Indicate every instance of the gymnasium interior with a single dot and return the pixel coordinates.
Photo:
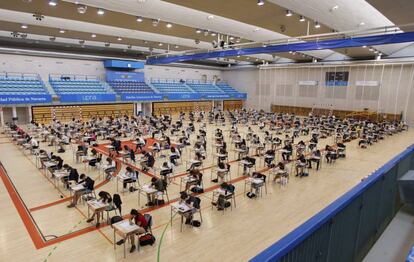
(190, 130)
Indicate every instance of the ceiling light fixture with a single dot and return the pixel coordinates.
(361, 24)
(210, 17)
(176, 46)
(155, 22)
(231, 37)
(364, 46)
(317, 25)
(24, 26)
(371, 49)
(82, 8)
(256, 29)
(93, 35)
(160, 44)
(53, 2)
(301, 18)
(238, 40)
(288, 13)
(62, 31)
(198, 31)
(260, 2)
(213, 34)
(335, 7)
(290, 52)
(119, 39)
(100, 11)
(168, 25)
(140, 19)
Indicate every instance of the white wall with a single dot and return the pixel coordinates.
(246, 81)
(395, 93)
(171, 72)
(48, 65)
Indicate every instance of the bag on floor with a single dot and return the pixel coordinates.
(197, 189)
(147, 239)
(61, 150)
(159, 202)
(251, 195)
(196, 223)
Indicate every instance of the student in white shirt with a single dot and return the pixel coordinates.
(129, 172)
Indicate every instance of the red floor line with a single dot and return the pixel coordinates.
(21, 209)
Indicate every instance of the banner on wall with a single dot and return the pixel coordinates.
(25, 99)
(87, 98)
(218, 96)
(239, 95)
(184, 96)
(142, 97)
(125, 64)
(112, 76)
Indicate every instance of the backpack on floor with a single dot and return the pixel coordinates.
(196, 223)
(147, 239)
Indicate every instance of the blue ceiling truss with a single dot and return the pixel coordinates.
(390, 38)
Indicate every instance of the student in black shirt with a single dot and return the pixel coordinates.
(88, 185)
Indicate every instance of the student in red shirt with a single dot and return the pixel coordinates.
(140, 221)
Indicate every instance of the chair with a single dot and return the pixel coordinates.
(117, 205)
(162, 194)
(148, 217)
(89, 194)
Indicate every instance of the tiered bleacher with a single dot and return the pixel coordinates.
(21, 84)
(70, 84)
(171, 86)
(203, 88)
(131, 87)
(226, 88)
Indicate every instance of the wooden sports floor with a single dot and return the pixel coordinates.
(36, 225)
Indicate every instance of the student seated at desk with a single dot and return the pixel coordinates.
(166, 168)
(94, 157)
(199, 148)
(174, 155)
(156, 147)
(140, 143)
(73, 176)
(132, 177)
(315, 157)
(105, 198)
(280, 170)
(269, 157)
(276, 142)
(148, 161)
(330, 154)
(58, 166)
(193, 203)
(363, 143)
(222, 170)
(196, 161)
(300, 165)
(158, 184)
(140, 221)
(341, 149)
(88, 184)
(34, 143)
(195, 178)
(249, 163)
(110, 167)
(288, 152)
(117, 145)
(256, 185)
(80, 152)
(222, 202)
